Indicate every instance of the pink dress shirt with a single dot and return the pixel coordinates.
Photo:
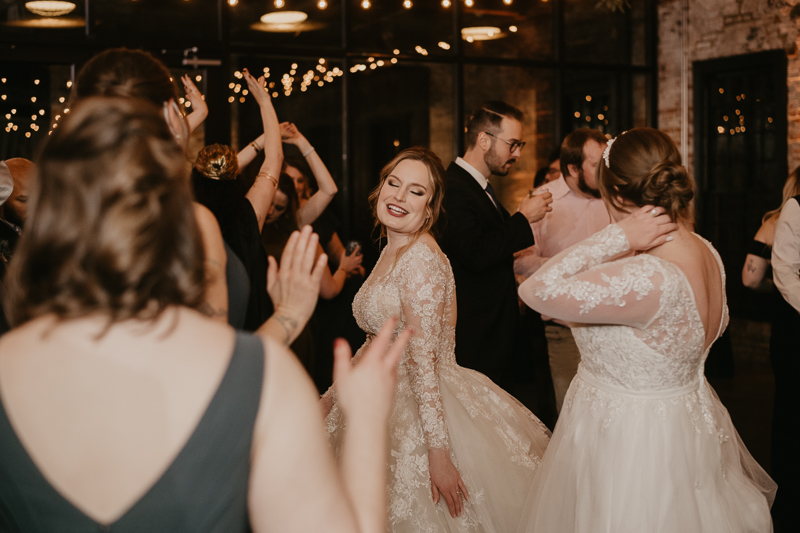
(573, 219)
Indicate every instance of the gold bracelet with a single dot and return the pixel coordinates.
(269, 176)
(256, 147)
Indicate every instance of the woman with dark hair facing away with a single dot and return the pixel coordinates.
(463, 451)
(785, 323)
(124, 408)
(642, 442)
(241, 217)
(124, 73)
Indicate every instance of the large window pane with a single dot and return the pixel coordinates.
(593, 34)
(297, 24)
(33, 99)
(425, 28)
(532, 92)
(523, 29)
(393, 108)
(186, 23)
(306, 92)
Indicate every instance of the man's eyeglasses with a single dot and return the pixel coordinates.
(513, 145)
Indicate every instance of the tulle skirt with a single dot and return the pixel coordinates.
(663, 462)
(495, 443)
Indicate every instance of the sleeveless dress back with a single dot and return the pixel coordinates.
(203, 490)
(643, 443)
(494, 441)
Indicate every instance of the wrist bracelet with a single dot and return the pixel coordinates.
(269, 176)
(256, 147)
(312, 149)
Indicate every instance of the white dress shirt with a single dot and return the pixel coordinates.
(786, 254)
(480, 178)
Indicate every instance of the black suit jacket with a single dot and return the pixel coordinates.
(480, 245)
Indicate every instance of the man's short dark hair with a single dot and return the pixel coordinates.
(487, 117)
(572, 147)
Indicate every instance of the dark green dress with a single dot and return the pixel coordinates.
(203, 490)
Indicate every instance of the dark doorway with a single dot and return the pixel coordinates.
(740, 132)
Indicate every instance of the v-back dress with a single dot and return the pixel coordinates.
(643, 444)
(494, 441)
(204, 489)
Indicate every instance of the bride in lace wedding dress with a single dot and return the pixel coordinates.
(454, 435)
(643, 444)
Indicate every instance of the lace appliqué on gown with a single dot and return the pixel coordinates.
(420, 290)
(640, 422)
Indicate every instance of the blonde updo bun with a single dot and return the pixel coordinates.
(644, 168)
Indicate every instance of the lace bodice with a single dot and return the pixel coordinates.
(421, 292)
(635, 319)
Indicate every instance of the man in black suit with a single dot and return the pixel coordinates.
(480, 239)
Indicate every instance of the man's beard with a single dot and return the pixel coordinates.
(584, 187)
(495, 167)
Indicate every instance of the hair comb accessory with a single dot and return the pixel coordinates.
(217, 162)
(607, 152)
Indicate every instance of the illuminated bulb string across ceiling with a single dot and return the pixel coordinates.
(322, 4)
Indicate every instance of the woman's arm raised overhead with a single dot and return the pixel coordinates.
(315, 205)
(263, 190)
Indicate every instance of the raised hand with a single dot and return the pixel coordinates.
(647, 227)
(536, 207)
(256, 87)
(289, 133)
(366, 390)
(199, 107)
(294, 287)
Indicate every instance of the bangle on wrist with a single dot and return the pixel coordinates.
(256, 147)
(269, 176)
(309, 151)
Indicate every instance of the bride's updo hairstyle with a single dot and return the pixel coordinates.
(436, 177)
(643, 166)
(111, 227)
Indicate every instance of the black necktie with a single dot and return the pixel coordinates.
(494, 198)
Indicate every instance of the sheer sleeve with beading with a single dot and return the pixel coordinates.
(423, 280)
(583, 284)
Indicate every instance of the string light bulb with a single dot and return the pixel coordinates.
(233, 2)
(366, 4)
(508, 2)
(445, 3)
(322, 4)
(469, 3)
(279, 3)
(407, 4)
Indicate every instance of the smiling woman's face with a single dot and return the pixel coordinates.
(403, 201)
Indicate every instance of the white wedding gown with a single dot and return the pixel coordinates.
(642, 444)
(494, 441)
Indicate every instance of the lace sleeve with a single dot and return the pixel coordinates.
(422, 295)
(582, 284)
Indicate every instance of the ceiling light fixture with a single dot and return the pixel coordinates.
(481, 33)
(50, 8)
(284, 17)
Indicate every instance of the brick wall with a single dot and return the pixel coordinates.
(721, 28)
